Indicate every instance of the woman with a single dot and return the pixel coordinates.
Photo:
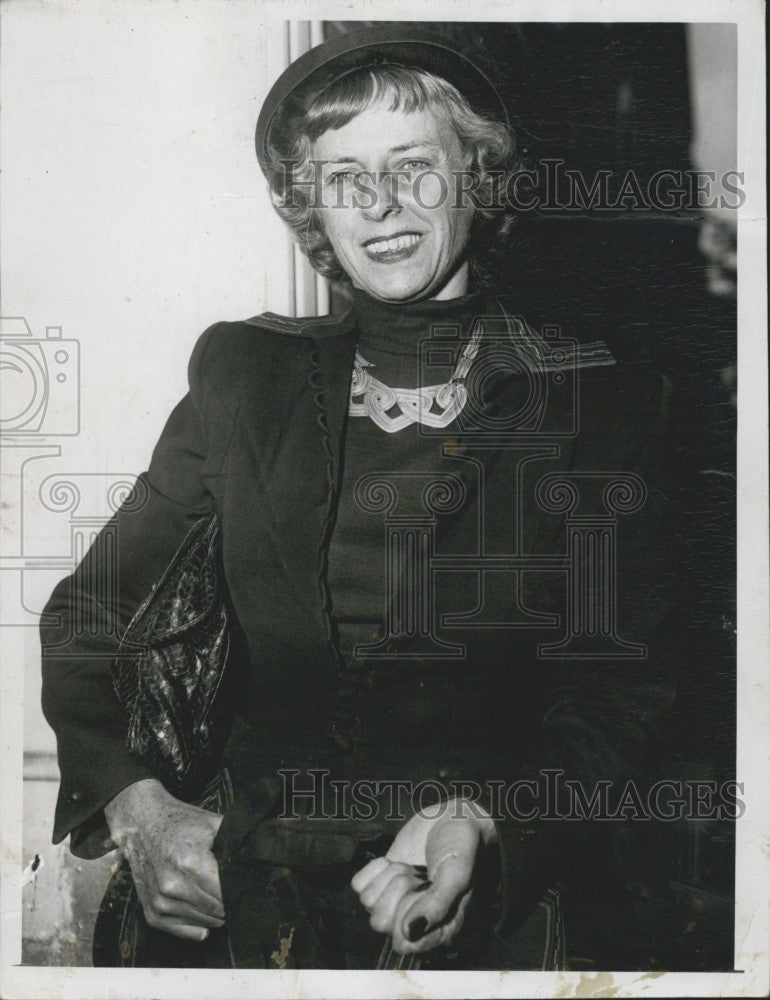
(378, 479)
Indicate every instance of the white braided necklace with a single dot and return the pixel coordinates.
(431, 405)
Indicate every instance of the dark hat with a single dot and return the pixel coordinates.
(465, 65)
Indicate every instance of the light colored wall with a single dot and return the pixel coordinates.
(134, 215)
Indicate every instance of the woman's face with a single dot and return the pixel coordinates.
(399, 237)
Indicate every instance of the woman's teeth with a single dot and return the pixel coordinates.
(397, 243)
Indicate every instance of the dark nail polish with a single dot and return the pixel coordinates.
(417, 928)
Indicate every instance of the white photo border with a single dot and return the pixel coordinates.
(752, 928)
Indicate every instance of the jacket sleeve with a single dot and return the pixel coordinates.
(88, 611)
(599, 718)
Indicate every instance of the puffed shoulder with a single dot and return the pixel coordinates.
(226, 352)
(627, 393)
(223, 356)
(216, 354)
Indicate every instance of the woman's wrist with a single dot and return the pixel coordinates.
(121, 811)
(470, 811)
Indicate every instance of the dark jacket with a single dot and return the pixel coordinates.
(258, 438)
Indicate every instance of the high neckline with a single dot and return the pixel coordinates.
(398, 327)
(390, 333)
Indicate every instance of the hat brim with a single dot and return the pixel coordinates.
(466, 66)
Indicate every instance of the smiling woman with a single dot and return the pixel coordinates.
(432, 150)
(410, 240)
(404, 618)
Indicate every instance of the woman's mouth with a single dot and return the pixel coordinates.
(388, 251)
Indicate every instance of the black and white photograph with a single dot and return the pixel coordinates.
(384, 495)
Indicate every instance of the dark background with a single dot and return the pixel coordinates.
(617, 97)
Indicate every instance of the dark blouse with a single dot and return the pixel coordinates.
(390, 339)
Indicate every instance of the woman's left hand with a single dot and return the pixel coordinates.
(421, 915)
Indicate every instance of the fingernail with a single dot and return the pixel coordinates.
(204, 934)
(417, 928)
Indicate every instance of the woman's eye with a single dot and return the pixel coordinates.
(416, 165)
(342, 177)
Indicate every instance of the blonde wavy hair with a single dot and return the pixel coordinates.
(488, 146)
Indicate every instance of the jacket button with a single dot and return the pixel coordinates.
(76, 796)
(443, 773)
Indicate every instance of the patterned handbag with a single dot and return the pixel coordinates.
(170, 669)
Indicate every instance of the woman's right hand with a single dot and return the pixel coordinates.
(168, 846)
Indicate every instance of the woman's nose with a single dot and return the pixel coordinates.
(384, 194)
